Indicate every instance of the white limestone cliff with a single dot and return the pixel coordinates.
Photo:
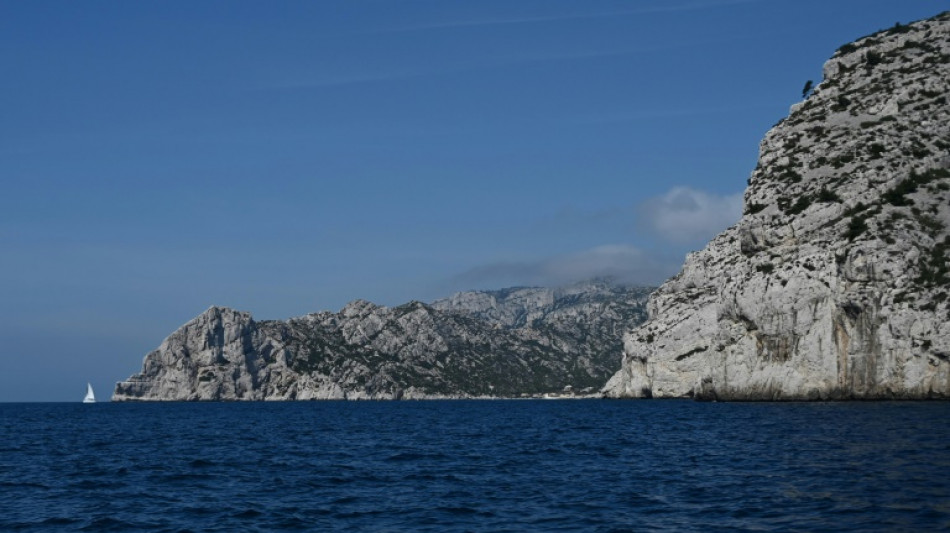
(476, 344)
(835, 282)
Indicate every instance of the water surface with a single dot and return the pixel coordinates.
(476, 466)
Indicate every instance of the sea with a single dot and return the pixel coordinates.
(490, 465)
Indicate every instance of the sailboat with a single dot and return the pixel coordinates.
(90, 396)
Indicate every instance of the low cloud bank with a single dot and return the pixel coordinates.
(624, 263)
(689, 216)
(680, 220)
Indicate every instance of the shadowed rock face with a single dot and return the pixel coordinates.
(835, 283)
(501, 343)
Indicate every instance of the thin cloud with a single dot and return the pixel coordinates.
(685, 215)
(689, 6)
(624, 263)
(633, 116)
(515, 59)
(341, 80)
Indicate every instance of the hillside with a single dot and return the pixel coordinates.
(834, 284)
(508, 343)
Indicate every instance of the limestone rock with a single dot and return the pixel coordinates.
(835, 282)
(507, 343)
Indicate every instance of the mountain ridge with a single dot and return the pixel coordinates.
(451, 348)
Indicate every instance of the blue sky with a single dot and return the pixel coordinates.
(160, 157)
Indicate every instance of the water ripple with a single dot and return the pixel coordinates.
(475, 466)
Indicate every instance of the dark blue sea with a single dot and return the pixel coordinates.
(475, 466)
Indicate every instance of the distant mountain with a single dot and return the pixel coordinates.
(509, 343)
(835, 284)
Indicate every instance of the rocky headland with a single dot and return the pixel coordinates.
(508, 343)
(835, 282)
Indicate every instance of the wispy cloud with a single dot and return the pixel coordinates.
(516, 57)
(685, 215)
(681, 219)
(340, 80)
(513, 58)
(499, 21)
(510, 59)
(648, 114)
(622, 262)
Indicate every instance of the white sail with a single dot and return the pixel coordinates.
(90, 397)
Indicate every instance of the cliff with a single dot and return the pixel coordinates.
(834, 284)
(476, 344)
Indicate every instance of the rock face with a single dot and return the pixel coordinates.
(502, 343)
(834, 284)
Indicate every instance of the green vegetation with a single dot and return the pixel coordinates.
(826, 196)
(930, 223)
(933, 270)
(791, 176)
(898, 195)
(938, 58)
(919, 152)
(922, 46)
(846, 49)
(871, 123)
(841, 103)
(799, 206)
(856, 227)
(898, 28)
(809, 85)
(842, 160)
(858, 207)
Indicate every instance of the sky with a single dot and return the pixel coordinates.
(160, 157)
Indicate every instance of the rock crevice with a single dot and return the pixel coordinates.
(835, 283)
